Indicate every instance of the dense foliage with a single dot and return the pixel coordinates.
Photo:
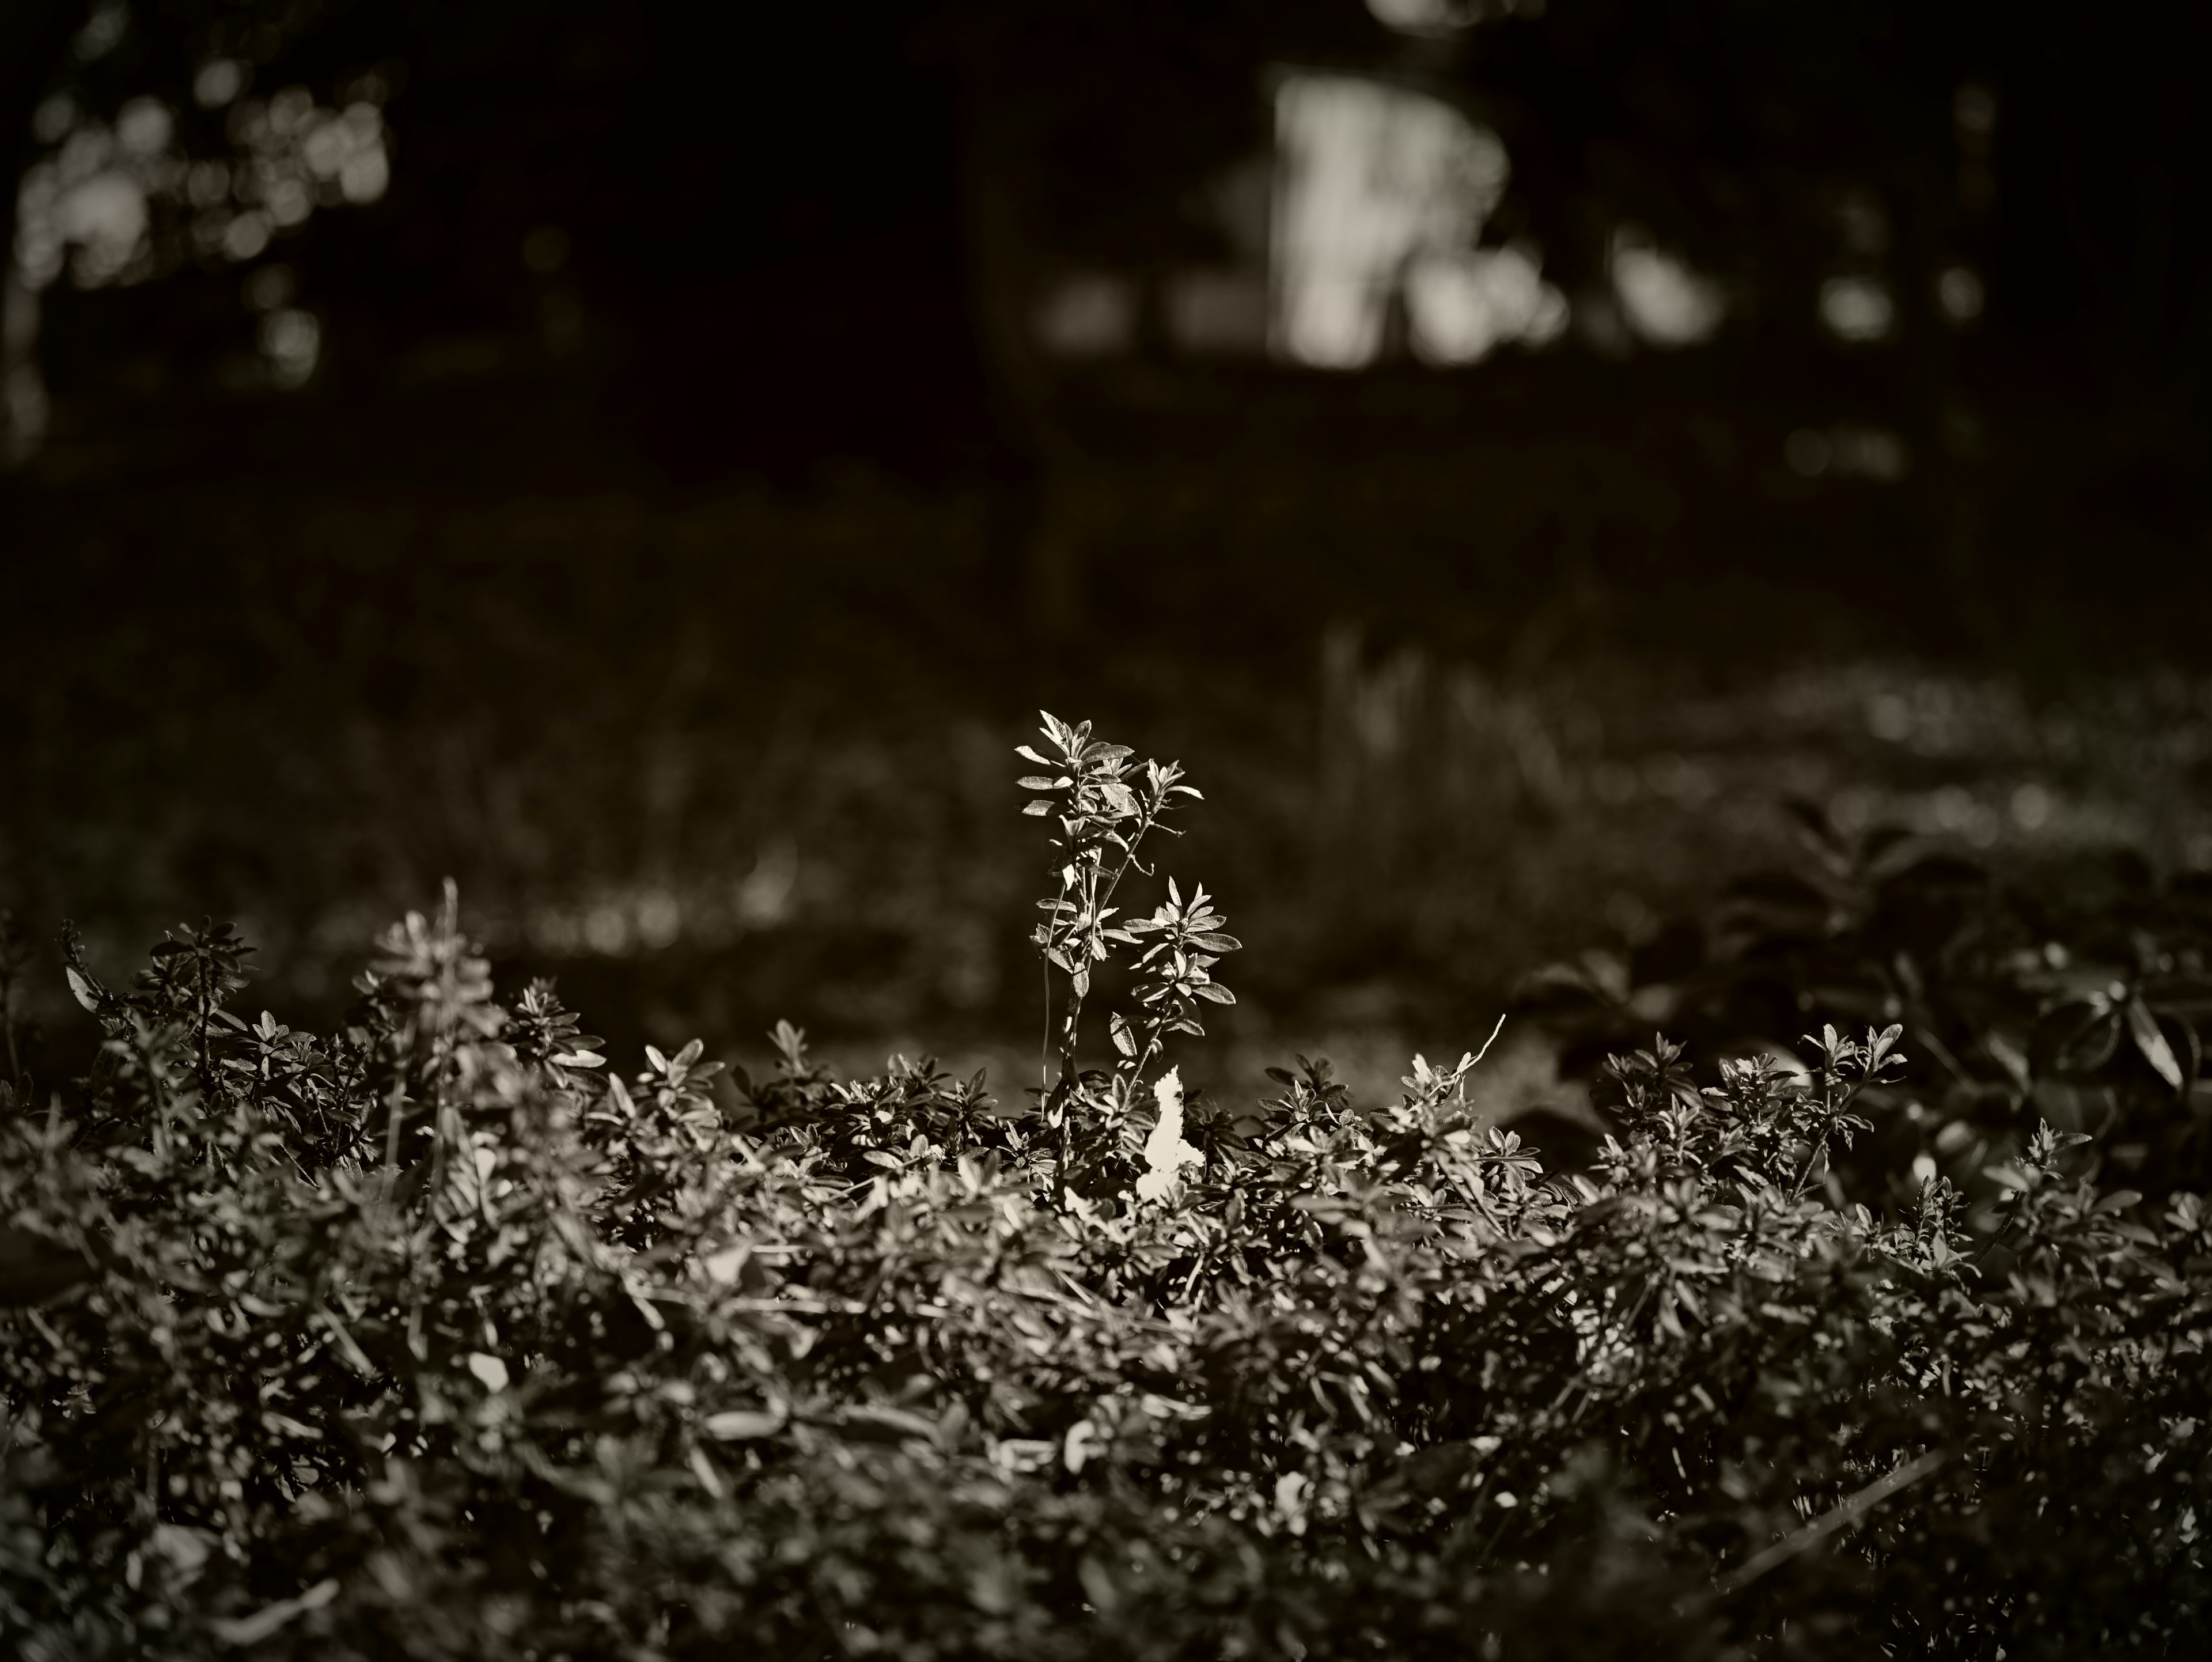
(436, 1338)
(2076, 995)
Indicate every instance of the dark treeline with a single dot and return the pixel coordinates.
(675, 411)
(809, 234)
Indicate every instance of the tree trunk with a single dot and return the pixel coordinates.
(1004, 272)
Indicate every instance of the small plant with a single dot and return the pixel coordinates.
(1105, 803)
(2078, 995)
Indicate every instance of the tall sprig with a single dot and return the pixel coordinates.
(1104, 803)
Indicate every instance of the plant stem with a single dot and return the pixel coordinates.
(8, 1023)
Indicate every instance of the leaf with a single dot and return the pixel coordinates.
(1124, 1040)
(184, 1549)
(1880, 843)
(1042, 782)
(1813, 824)
(1217, 943)
(491, 1371)
(86, 988)
(253, 1629)
(738, 1425)
(2075, 1038)
(1098, 1585)
(2008, 1056)
(1214, 993)
(1038, 808)
(882, 1423)
(2142, 1027)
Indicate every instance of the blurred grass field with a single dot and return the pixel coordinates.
(719, 759)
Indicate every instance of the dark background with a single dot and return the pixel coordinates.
(683, 594)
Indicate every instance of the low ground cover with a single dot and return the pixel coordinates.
(438, 1336)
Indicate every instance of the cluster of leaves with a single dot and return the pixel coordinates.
(1103, 803)
(435, 1338)
(2077, 996)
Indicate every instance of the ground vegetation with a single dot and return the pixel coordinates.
(440, 1336)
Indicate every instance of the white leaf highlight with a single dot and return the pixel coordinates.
(1165, 1151)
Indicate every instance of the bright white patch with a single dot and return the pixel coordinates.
(1667, 304)
(490, 1370)
(1463, 303)
(1165, 1151)
(1372, 175)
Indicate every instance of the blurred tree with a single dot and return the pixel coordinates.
(781, 236)
(1965, 218)
(33, 35)
(1090, 129)
(753, 220)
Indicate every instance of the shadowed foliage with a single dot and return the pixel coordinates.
(436, 1336)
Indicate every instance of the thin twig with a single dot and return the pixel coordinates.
(1842, 1516)
(1044, 1039)
(1492, 1040)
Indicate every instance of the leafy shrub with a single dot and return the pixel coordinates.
(2077, 996)
(434, 1337)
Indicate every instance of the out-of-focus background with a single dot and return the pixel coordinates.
(649, 464)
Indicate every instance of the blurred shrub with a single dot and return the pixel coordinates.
(433, 1337)
(2074, 994)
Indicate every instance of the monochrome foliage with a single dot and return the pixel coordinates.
(439, 1337)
